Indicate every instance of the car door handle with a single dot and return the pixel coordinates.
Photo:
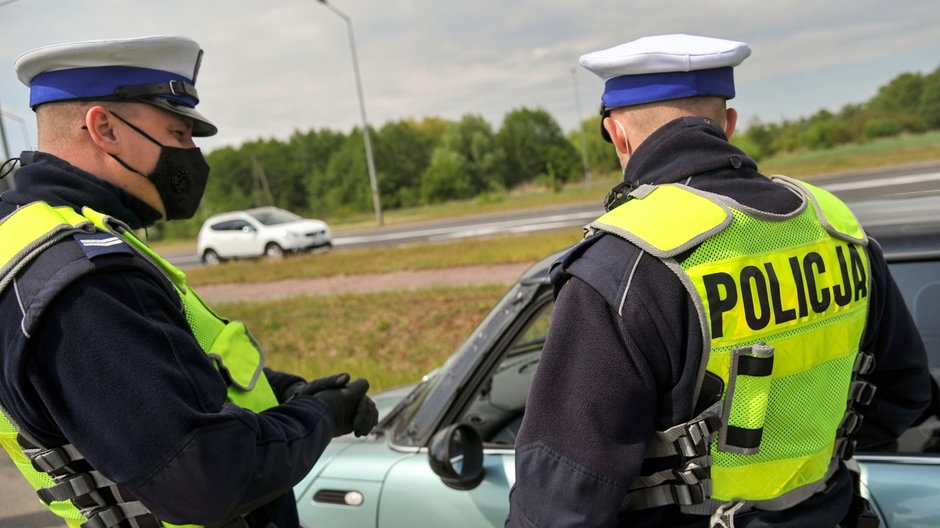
(334, 496)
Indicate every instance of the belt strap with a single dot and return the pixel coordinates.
(694, 471)
(667, 494)
(689, 482)
(690, 439)
(52, 460)
(74, 486)
(111, 516)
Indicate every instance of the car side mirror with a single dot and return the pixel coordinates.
(248, 229)
(456, 455)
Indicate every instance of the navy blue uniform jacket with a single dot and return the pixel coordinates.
(113, 368)
(606, 382)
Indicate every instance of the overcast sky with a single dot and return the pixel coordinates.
(275, 66)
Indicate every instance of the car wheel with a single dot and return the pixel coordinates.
(273, 251)
(211, 258)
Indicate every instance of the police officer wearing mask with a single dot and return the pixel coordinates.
(720, 340)
(126, 401)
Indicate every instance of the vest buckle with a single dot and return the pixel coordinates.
(105, 518)
(69, 488)
(694, 443)
(844, 449)
(864, 363)
(114, 515)
(49, 460)
(692, 473)
(851, 423)
(862, 392)
(687, 495)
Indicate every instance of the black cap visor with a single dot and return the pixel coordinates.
(202, 127)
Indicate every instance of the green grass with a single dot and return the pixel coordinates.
(390, 338)
(465, 252)
(880, 153)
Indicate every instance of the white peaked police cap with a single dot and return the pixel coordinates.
(663, 67)
(160, 71)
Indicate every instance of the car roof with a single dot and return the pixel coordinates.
(243, 212)
(907, 228)
(538, 272)
(224, 216)
(263, 209)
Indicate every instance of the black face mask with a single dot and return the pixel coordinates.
(180, 176)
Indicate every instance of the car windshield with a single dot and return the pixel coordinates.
(430, 399)
(274, 216)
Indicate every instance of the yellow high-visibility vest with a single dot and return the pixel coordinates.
(25, 233)
(782, 302)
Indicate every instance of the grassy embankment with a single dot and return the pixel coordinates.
(395, 337)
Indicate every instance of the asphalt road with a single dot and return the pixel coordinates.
(504, 223)
(19, 507)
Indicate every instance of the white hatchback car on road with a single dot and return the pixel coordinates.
(263, 231)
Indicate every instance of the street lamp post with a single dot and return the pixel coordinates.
(22, 122)
(584, 153)
(7, 182)
(4, 182)
(376, 201)
(3, 137)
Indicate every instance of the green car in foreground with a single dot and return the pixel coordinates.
(442, 454)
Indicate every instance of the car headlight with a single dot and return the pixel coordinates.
(290, 235)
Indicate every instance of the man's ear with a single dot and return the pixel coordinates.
(617, 133)
(731, 120)
(100, 126)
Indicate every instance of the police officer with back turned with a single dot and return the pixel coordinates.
(125, 400)
(721, 340)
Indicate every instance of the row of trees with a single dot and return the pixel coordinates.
(323, 173)
(910, 103)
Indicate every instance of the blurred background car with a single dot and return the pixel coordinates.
(443, 452)
(263, 231)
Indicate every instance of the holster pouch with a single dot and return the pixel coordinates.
(746, 402)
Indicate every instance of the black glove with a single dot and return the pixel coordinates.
(304, 388)
(353, 411)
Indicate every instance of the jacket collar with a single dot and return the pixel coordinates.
(685, 147)
(51, 179)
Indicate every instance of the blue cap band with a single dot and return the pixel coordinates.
(630, 90)
(101, 81)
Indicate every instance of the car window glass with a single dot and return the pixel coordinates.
(224, 226)
(496, 411)
(919, 282)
